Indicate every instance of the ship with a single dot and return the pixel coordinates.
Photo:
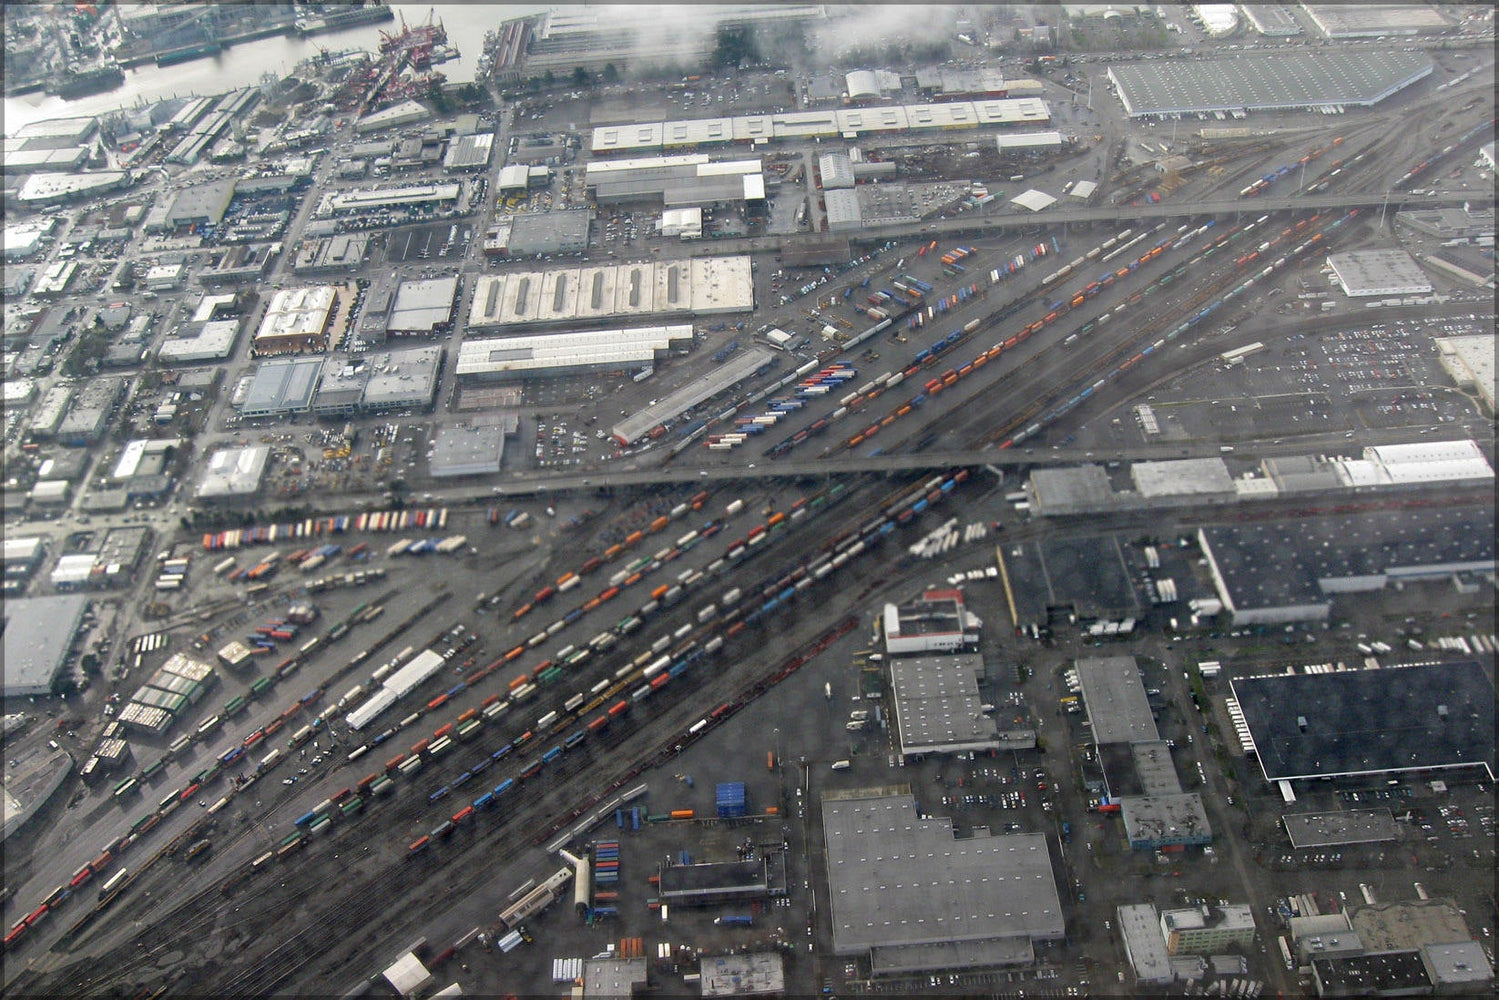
(187, 53)
(337, 20)
(87, 80)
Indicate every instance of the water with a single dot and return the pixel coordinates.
(245, 63)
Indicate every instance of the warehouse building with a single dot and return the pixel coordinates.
(54, 189)
(724, 882)
(1341, 20)
(369, 384)
(678, 181)
(23, 556)
(937, 707)
(394, 116)
(700, 286)
(194, 342)
(472, 447)
(469, 152)
(535, 234)
(38, 635)
(296, 320)
(93, 408)
(201, 205)
(1363, 273)
(435, 197)
(233, 472)
(423, 308)
(1028, 142)
(842, 210)
(1140, 932)
(836, 170)
(682, 223)
(1272, 20)
(344, 252)
(1286, 81)
(280, 387)
(803, 126)
(1286, 571)
(949, 82)
(1470, 362)
(912, 898)
(568, 353)
(1428, 718)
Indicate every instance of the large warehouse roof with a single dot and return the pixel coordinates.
(38, 632)
(1436, 715)
(1381, 271)
(825, 124)
(1283, 566)
(563, 295)
(234, 471)
(422, 307)
(1266, 82)
(560, 353)
(899, 882)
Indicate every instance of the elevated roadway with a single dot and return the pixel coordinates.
(977, 225)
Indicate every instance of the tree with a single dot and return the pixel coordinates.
(611, 75)
(549, 79)
(581, 77)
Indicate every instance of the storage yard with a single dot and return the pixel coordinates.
(974, 472)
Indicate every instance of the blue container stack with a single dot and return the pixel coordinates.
(730, 797)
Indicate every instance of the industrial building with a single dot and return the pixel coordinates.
(1287, 571)
(936, 622)
(1362, 273)
(678, 181)
(91, 412)
(568, 353)
(1028, 142)
(472, 447)
(1339, 20)
(1470, 362)
(1282, 81)
(38, 634)
(724, 882)
(803, 126)
(697, 287)
(345, 252)
(756, 974)
(194, 342)
(296, 321)
(233, 472)
(718, 380)
(394, 116)
(379, 382)
(1370, 723)
(842, 210)
(469, 152)
(22, 556)
(423, 308)
(535, 234)
(201, 205)
(909, 896)
(1271, 20)
(1207, 929)
(1144, 947)
(436, 197)
(937, 708)
(836, 170)
(54, 189)
(281, 386)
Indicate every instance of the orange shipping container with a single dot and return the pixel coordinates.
(682, 814)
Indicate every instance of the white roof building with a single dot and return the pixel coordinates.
(1033, 200)
(234, 472)
(686, 223)
(567, 353)
(1362, 273)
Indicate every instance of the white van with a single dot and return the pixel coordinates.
(840, 765)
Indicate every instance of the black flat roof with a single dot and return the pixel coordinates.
(1437, 715)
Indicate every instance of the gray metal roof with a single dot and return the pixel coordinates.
(423, 306)
(1436, 715)
(473, 447)
(1267, 81)
(38, 633)
(1157, 820)
(937, 704)
(897, 879)
(1325, 829)
(282, 385)
(1114, 697)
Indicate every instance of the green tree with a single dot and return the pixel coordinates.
(581, 77)
(611, 75)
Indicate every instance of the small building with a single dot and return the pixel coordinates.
(198, 342)
(836, 171)
(841, 206)
(233, 472)
(165, 277)
(1363, 273)
(613, 978)
(685, 223)
(1460, 967)
(757, 974)
(408, 976)
(22, 556)
(469, 152)
(394, 116)
(1028, 142)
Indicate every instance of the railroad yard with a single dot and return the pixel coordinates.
(980, 525)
